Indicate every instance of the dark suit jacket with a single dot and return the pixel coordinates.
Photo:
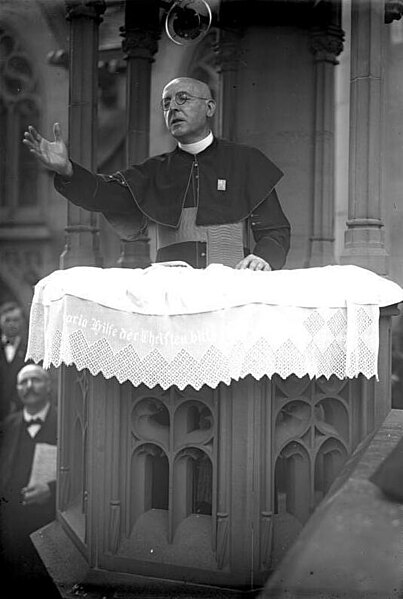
(8, 378)
(20, 564)
(38, 515)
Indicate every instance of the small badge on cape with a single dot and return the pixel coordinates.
(221, 184)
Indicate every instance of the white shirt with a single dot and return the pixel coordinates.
(197, 146)
(10, 347)
(34, 428)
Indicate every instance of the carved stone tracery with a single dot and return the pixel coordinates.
(393, 10)
(327, 43)
(139, 42)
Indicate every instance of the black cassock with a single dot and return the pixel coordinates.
(226, 182)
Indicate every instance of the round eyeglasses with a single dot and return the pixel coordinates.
(180, 98)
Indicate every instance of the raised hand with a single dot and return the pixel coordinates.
(52, 154)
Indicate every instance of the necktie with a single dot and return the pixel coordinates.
(33, 421)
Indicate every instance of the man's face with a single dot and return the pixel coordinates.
(188, 122)
(11, 323)
(33, 386)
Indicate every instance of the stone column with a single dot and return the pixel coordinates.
(326, 44)
(141, 33)
(229, 51)
(364, 237)
(228, 57)
(82, 231)
(393, 10)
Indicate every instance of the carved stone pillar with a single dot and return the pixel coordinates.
(228, 57)
(326, 45)
(393, 10)
(364, 237)
(229, 51)
(141, 33)
(82, 231)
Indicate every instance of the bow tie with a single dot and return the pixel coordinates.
(29, 423)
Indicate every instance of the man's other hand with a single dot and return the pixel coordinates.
(253, 263)
(36, 494)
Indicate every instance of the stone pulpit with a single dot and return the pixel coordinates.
(203, 414)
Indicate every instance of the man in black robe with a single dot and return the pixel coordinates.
(206, 197)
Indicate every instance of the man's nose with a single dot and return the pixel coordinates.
(173, 104)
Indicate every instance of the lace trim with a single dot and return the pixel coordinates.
(206, 349)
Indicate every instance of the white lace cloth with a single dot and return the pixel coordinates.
(171, 324)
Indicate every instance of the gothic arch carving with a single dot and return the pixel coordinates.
(193, 481)
(292, 482)
(328, 463)
(149, 481)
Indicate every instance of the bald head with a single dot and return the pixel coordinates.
(188, 108)
(33, 385)
(194, 86)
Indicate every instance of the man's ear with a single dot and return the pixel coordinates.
(211, 106)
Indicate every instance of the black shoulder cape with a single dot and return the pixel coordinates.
(234, 180)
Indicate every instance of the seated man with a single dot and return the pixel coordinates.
(205, 197)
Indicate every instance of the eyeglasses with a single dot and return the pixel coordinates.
(180, 98)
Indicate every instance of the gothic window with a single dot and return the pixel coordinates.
(19, 106)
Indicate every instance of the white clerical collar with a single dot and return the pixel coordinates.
(197, 146)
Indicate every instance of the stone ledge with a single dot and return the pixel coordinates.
(75, 580)
(352, 547)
